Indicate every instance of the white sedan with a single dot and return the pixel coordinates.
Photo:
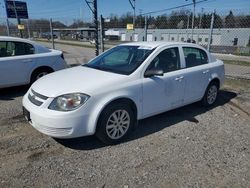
(23, 61)
(129, 82)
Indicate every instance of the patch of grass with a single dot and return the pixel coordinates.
(237, 84)
(232, 62)
(71, 44)
(243, 54)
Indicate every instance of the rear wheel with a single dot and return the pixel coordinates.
(211, 94)
(39, 73)
(115, 123)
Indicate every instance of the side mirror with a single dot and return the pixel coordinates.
(153, 72)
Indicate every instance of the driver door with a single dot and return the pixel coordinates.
(162, 93)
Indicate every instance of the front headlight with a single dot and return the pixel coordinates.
(68, 102)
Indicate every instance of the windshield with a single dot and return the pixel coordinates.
(121, 59)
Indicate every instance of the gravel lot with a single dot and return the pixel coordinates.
(188, 147)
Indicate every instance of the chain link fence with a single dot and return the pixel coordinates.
(226, 31)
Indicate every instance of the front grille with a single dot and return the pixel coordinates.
(36, 98)
(39, 95)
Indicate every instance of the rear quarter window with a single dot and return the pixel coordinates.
(22, 48)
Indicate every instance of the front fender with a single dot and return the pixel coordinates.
(104, 101)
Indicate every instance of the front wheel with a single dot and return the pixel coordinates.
(115, 123)
(211, 94)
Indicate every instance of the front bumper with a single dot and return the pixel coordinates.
(54, 123)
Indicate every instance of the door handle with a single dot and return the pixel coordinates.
(205, 72)
(179, 78)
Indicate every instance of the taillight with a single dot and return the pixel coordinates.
(62, 56)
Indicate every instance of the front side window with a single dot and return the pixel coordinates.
(121, 59)
(168, 60)
(8, 49)
(194, 56)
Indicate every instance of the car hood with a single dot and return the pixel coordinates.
(74, 80)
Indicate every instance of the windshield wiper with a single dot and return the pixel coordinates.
(99, 68)
(104, 69)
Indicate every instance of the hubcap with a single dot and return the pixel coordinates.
(212, 94)
(118, 124)
(40, 75)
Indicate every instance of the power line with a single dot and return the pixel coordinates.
(176, 7)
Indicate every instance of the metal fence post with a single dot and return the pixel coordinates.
(8, 26)
(102, 33)
(192, 32)
(52, 34)
(145, 28)
(28, 25)
(211, 32)
(187, 25)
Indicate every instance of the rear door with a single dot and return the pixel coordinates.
(197, 73)
(16, 60)
(161, 93)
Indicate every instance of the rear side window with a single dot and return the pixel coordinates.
(8, 48)
(22, 48)
(194, 56)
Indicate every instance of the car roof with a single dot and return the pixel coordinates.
(155, 44)
(4, 38)
(40, 48)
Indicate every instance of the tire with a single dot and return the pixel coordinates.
(39, 73)
(115, 123)
(210, 95)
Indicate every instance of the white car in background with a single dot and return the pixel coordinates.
(23, 61)
(127, 83)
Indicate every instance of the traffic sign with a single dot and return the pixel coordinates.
(16, 9)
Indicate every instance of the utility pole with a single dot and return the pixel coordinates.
(133, 7)
(93, 9)
(18, 19)
(7, 20)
